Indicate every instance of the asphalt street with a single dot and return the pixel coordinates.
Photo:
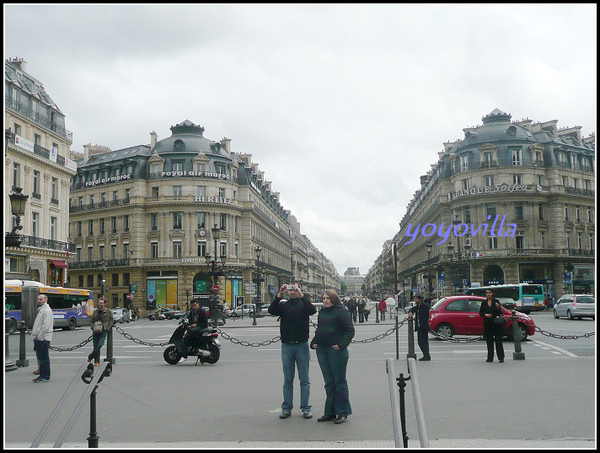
(547, 400)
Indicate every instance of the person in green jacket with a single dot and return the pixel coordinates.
(332, 337)
(102, 321)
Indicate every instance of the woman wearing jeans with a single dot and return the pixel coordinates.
(334, 333)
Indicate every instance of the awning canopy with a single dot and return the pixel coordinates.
(58, 263)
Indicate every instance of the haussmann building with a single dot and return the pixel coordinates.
(143, 220)
(525, 188)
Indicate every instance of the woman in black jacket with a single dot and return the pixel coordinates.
(334, 333)
(490, 309)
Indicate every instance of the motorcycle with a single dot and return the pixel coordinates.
(156, 315)
(206, 347)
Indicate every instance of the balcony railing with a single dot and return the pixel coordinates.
(41, 243)
(100, 205)
(41, 120)
(99, 264)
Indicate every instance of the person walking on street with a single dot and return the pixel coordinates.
(420, 312)
(361, 310)
(492, 332)
(101, 322)
(294, 313)
(382, 307)
(41, 334)
(352, 308)
(332, 337)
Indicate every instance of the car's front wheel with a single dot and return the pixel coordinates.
(555, 314)
(445, 330)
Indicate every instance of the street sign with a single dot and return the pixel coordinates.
(128, 296)
(215, 289)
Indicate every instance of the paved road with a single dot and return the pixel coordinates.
(238, 399)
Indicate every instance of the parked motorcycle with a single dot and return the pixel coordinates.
(156, 315)
(206, 346)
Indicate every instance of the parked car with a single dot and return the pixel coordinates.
(245, 309)
(576, 306)
(459, 315)
(170, 313)
(121, 315)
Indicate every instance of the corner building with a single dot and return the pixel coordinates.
(535, 178)
(147, 216)
(37, 162)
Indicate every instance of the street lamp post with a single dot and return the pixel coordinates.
(258, 279)
(215, 269)
(103, 269)
(18, 202)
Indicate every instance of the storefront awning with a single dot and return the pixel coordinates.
(58, 263)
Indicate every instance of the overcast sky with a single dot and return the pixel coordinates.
(343, 106)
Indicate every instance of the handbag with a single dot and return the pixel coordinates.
(97, 327)
(500, 321)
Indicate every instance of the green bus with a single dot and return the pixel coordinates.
(527, 297)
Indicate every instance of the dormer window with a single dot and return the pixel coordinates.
(179, 145)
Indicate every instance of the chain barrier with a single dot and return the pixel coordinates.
(137, 340)
(564, 337)
(72, 348)
(388, 332)
(454, 339)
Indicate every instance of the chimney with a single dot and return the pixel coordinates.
(226, 144)
(19, 63)
(86, 152)
(153, 137)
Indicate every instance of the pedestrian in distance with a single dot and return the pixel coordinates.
(41, 334)
(382, 307)
(294, 314)
(420, 313)
(362, 305)
(492, 331)
(334, 333)
(101, 322)
(352, 308)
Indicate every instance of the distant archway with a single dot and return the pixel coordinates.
(493, 275)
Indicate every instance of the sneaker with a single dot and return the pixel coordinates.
(96, 363)
(40, 379)
(285, 414)
(425, 359)
(36, 372)
(307, 414)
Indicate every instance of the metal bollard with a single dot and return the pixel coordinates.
(109, 347)
(518, 354)
(411, 340)
(22, 362)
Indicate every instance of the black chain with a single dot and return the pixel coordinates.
(137, 340)
(564, 337)
(72, 348)
(278, 338)
(454, 339)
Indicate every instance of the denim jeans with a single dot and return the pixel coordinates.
(333, 365)
(292, 355)
(42, 352)
(97, 341)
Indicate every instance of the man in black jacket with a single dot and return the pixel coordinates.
(421, 312)
(198, 321)
(294, 314)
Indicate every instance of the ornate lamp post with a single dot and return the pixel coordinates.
(258, 279)
(215, 269)
(430, 275)
(103, 270)
(18, 202)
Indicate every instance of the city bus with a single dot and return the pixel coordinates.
(71, 307)
(526, 296)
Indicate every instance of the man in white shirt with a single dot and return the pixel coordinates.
(41, 335)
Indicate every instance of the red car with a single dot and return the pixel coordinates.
(459, 315)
